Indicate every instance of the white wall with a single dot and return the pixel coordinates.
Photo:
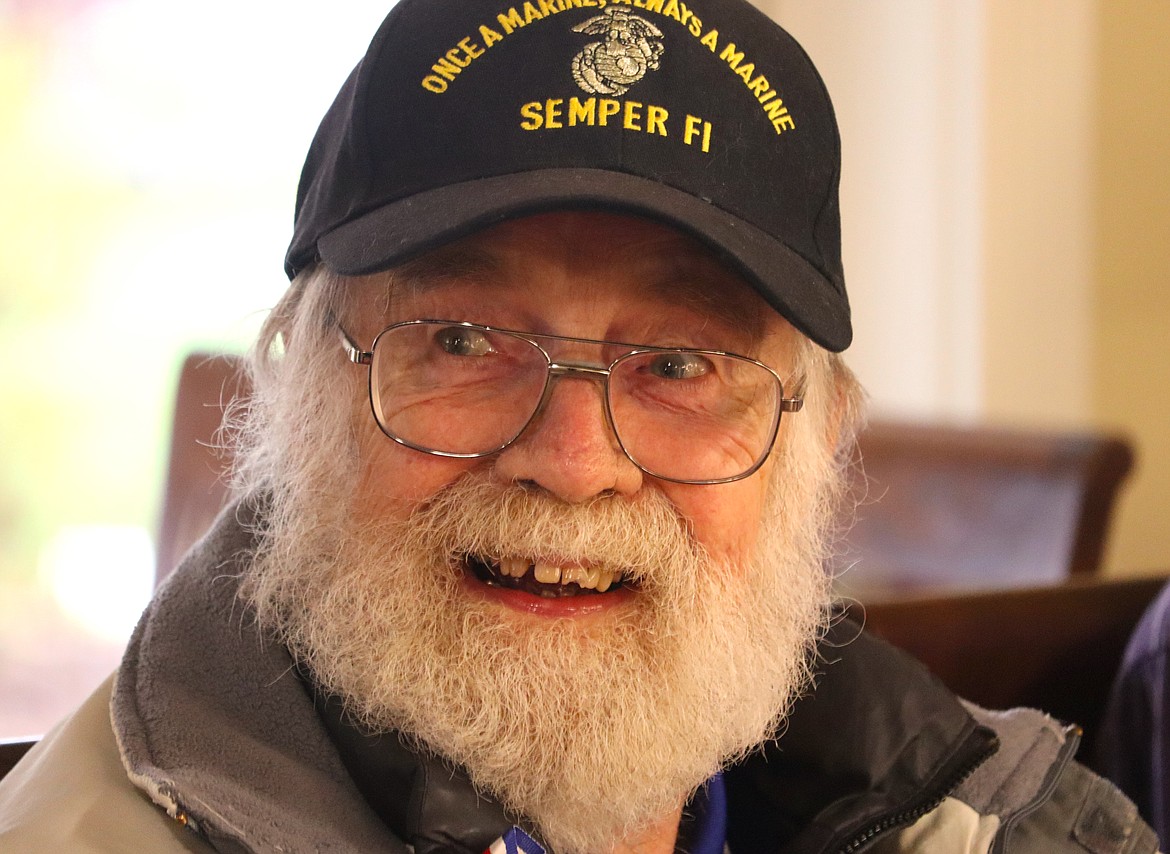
(1132, 307)
(1039, 215)
(965, 199)
(1006, 200)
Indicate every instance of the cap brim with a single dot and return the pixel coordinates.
(405, 228)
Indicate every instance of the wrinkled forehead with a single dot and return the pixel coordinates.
(645, 263)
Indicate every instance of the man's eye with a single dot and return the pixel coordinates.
(459, 341)
(679, 366)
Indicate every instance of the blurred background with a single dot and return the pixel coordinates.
(1006, 195)
(149, 154)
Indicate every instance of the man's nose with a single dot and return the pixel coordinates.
(570, 449)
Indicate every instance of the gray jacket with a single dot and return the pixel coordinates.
(214, 742)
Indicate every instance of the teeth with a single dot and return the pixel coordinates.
(585, 577)
(514, 567)
(547, 573)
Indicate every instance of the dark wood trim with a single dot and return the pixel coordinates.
(1055, 648)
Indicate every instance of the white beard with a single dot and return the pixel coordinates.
(591, 728)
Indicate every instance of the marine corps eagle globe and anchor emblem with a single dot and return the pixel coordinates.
(631, 47)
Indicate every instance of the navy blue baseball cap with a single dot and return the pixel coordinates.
(704, 115)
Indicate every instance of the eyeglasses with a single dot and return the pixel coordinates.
(456, 389)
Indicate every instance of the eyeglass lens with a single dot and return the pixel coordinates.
(467, 391)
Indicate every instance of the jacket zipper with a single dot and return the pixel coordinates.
(1073, 735)
(909, 816)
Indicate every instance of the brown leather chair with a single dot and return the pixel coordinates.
(941, 507)
(969, 508)
(1055, 648)
(196, 486)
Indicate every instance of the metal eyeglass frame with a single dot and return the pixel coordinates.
(557, 370)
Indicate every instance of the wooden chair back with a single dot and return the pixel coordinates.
(1055, 647)
(969, 508)
(196, 487)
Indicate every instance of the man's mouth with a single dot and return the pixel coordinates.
(544, 579)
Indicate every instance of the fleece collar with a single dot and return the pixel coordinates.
(214, 723)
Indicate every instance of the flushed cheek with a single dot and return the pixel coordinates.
(394, 480)
(725, 518)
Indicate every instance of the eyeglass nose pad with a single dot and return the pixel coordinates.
(565, 369)
(578, 370)
(565, 448)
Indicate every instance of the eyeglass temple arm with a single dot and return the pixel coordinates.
(796, 402)
(355, 353)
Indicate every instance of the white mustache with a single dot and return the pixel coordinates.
(641, 540)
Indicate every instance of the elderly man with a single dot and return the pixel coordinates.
(535, 486)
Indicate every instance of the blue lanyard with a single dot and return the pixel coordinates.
(710, 808)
